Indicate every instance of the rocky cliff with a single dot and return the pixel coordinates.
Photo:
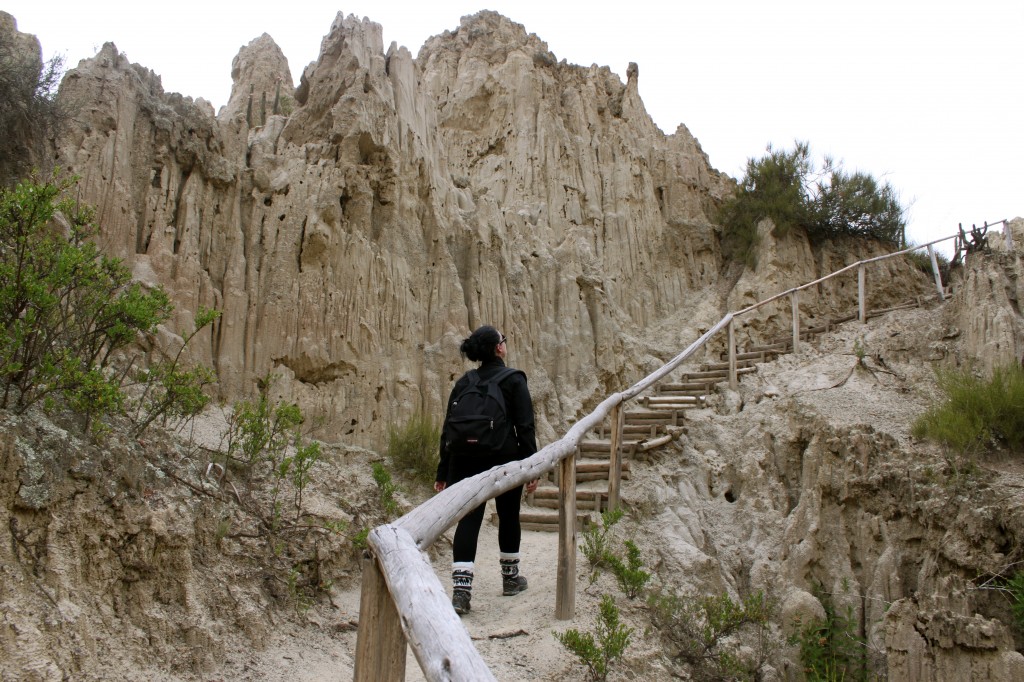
(353, 230)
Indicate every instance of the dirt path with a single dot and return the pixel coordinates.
(513, 634)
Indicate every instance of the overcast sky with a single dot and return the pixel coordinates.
(927, 95)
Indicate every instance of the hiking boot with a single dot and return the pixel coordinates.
(460, 602)
(512, 585)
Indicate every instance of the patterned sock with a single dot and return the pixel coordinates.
(462, 576)
(509, 564)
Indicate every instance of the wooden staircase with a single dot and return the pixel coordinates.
(653, 421)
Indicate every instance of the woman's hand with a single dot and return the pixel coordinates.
(439, 486)
(532, 485)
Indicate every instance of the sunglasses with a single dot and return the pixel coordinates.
(503, 339)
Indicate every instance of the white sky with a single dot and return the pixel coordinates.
(928, 95)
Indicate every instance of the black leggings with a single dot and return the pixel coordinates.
(509, 532)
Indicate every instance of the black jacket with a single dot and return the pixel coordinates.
(522, 441)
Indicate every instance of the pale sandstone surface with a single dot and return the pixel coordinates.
(352, 242)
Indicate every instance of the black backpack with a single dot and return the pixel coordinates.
(477, 417)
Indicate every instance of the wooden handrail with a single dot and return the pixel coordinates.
(438, 639)
(422, 615)
(829, 276)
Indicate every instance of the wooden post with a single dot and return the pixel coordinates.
(380, 642)
(615, 457)
(862, 304)
(565, 573)
(733, 381)
(796, 320)
(935, 271)
(1008, 235)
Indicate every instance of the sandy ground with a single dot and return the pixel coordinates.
(512, 634)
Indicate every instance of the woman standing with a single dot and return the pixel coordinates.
(460, 460)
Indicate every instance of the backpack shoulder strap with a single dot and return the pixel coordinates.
(505, 373)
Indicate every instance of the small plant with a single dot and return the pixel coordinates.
(359, 539)
(976, 414)
(299, 598)
(923, 262)
(1016, 588)
(170, 392)
(830, 649)
(267, 441)
(596, 546)
(859, 350)
(413, 448)
(629, 573)
(386, 487)
(65, 309)
(30, 113)
(599, 650)
(706, 632)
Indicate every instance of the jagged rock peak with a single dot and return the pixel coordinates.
(490, 36)
(23, 43)
(259, 71)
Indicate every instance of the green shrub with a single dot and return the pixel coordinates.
(172, 393)
(923, 262)
(413, 448)
(706, 632)
(830, 648)
(359, 540)
(786, 187)
(1015, 589)
(386, 488)
(976, 414)
(596, 546)
(266, 439)
(629, 573)
(30, 113)
(600, 649)
(65, 309)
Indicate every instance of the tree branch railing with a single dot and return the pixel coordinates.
(403, 602)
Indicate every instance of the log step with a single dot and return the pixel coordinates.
(740, 364)
(706, 386)
(653, 400)
(587, 447)
(652, 417)
(759, 356)
(586, 498)
(603, 451)
(643, 430)
(778, 348)
(546, 521)
(597, 503)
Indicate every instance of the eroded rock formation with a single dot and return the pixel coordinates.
(392, 204)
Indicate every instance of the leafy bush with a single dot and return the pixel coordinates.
(170, 392)
(596, 546)
(598, 650)
(1015, 589)
(976, 413)
(266, 439)
(386, 488)
(629, 573)
(30, 114)
(413, 448)
(65, 309)
(830, 649)
(786, 187)
(701, 632)
(921, 261)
